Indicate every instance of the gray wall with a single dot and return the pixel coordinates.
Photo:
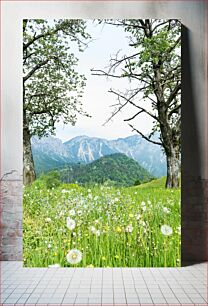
(194, 108)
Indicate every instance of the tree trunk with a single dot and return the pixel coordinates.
(173, 169)
(28, 163)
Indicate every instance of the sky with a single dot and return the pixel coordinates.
(97, 101)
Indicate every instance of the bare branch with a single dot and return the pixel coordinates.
(122, 105)
(129, 119)
(153, 101)
(123, 23)
(137, 106)
(104, 73)
(119, 61)
(132, 75)
(145, 137)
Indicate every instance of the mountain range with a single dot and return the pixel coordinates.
(50, 152)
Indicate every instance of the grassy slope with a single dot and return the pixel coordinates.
(158, 183)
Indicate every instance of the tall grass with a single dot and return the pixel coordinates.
(115, 227)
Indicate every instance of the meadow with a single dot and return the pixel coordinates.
(101, 225)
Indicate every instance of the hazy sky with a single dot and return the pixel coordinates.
(107, 40)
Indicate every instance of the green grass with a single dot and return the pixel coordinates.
(157, 183)
(112, 212)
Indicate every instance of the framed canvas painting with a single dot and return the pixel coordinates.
(102, 142)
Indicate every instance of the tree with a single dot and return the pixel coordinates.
(51, 87)
(154, 71)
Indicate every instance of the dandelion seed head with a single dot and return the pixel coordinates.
(70, 223)
(72, 212)
(166, 230)
(129, 228)
(138, 216)
(166, 210)
(92, 229)
(74, 256)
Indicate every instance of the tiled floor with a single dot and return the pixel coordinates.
(98, 286)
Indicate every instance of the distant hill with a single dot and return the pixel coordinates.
(116, 168)
(50, 152)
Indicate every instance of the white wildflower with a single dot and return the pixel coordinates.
(129, 228)
(74, 256)
(166, 230)
(61, 213)
(54, 266)
(70, 223)
(166, 210)
(138, 216)
(65, 191)
(143, 223)
(47, 220)
(72, 212)
(97, 233)
(92, 229)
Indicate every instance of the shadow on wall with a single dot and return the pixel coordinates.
(194, 207)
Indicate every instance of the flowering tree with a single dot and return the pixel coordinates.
(51, 86)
